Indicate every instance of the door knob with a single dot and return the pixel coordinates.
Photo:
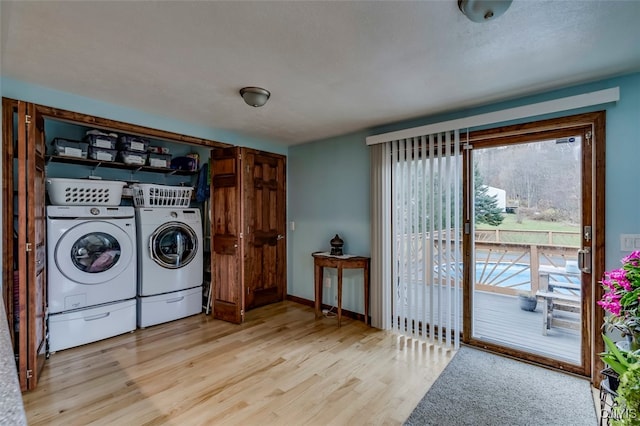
(584, 260)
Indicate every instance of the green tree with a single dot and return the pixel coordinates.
(486, 206)
(416, 201)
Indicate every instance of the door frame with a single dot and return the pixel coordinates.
(592, 316)
(28, 296)
(8, 247)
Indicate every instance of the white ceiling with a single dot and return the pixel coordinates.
(332, 67)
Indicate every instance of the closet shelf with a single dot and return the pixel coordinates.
(116, 165)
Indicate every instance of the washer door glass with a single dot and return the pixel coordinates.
(94, 252)
(173, 245)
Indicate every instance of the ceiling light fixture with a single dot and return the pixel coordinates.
(483, 10)
(255, 96)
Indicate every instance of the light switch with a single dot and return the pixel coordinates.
(292, 225)
(629, 242)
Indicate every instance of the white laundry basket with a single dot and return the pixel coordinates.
(84, 192)
(150, 195)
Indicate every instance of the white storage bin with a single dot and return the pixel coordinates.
(102, 154)
(158, 149)
(159, 160)
(167, 307)
(133, 143)
(84, 192)
(67, 330)
(150, 195)
(99, 139)
(131, 157)
(70, 148)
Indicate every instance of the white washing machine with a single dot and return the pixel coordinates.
(91, 253)
(170, 264)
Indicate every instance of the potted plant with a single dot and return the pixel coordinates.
(528, 301)
(618, 360)
(627, 413)
(621, 301)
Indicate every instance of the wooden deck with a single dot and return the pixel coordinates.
(499, 319)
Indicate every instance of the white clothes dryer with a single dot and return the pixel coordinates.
(91, 253)
(92, 272)
(170, 264)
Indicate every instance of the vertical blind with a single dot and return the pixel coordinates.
(425, 255)
(380, 277)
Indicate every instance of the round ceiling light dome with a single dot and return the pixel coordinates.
(483, 10)
(255, 96)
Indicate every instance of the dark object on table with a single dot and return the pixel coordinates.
(336, 246)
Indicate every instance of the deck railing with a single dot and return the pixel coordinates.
(502, 267)
(517, 260)
(557, 238)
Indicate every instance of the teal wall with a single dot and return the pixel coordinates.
(328, 180)
(328, 190)
(329, 185)
(44, 96)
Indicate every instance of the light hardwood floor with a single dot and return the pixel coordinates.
(281, 367)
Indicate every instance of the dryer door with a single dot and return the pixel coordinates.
(173, 245)
(94, 252)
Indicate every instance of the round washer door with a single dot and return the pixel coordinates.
(173, 245)
(94, 252)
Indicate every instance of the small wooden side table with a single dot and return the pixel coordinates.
(323, 260)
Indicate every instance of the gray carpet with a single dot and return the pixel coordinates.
(479, 388)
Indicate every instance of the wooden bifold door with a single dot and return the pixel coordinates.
(248, 228)
(24, 201)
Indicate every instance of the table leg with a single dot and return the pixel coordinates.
(545, 316)
(339, 295)
(319, 272)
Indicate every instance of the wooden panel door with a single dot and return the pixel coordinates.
(264, 199)
(31, 248)
(226, 248)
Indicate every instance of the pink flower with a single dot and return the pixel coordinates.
(611, 302)
(615, 278)
(617, 274)
(617, 284)
(621, 296)
(633, 258)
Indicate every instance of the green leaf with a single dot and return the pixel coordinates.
(630, 298)
(615, 365)
(613, 349)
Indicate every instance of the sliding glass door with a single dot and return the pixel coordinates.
(528, 263)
